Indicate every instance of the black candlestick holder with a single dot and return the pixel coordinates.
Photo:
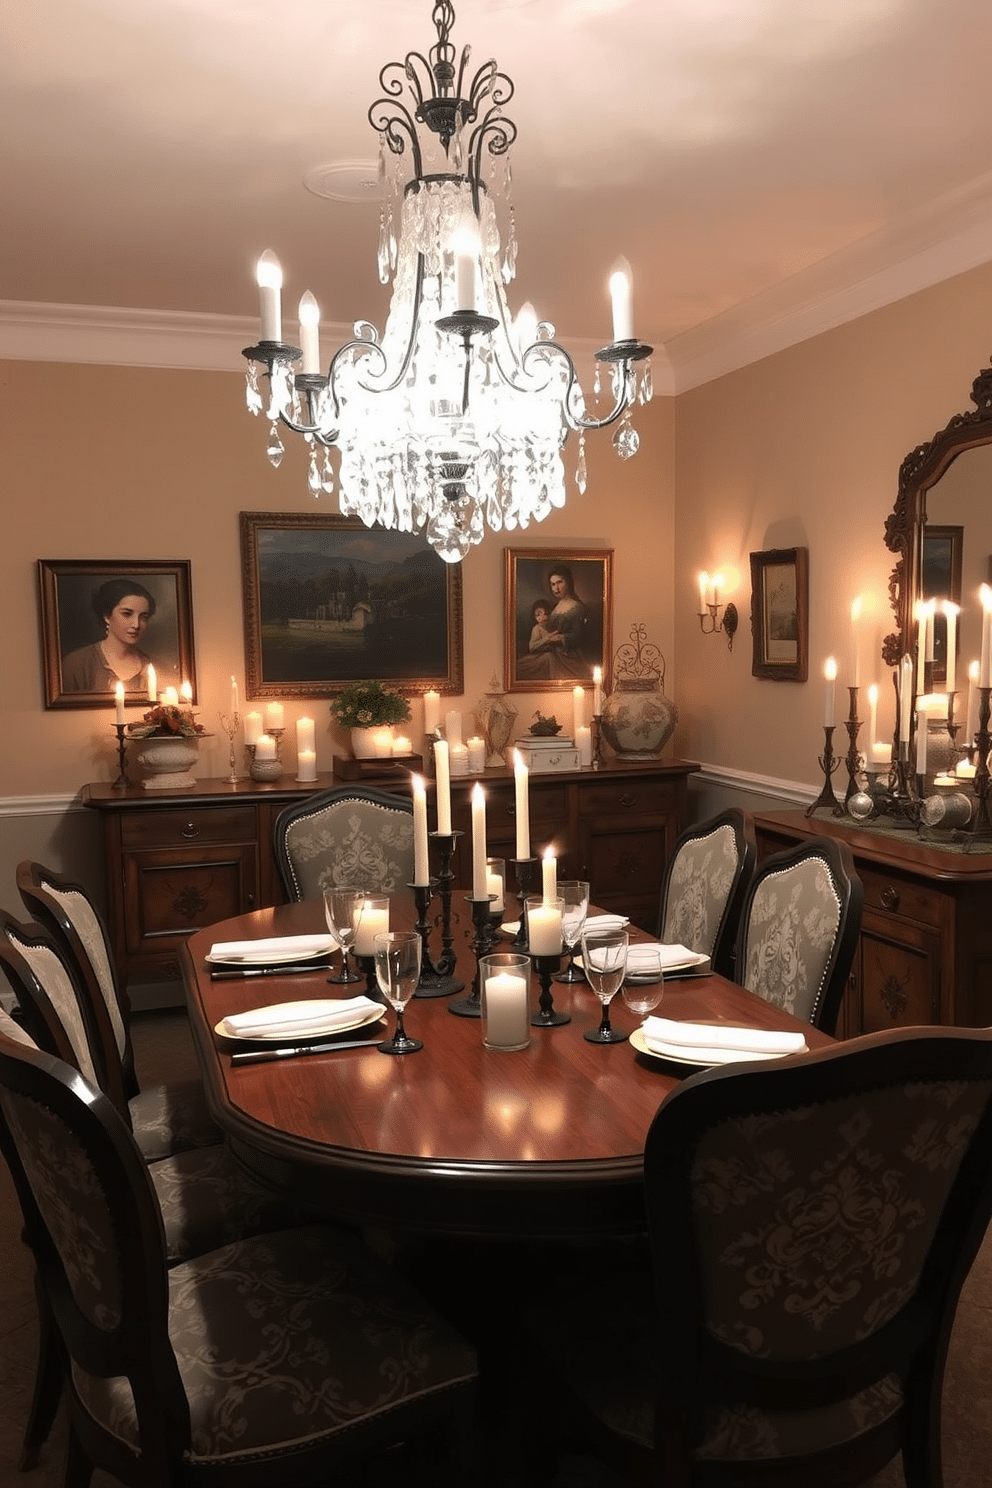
(981, 823)
(904, 796)
(523, 870)
(367, 965)
(826, 800)
(482, 944)
(547, 1015)
(122, 782)
(433, 981)
(854, 762)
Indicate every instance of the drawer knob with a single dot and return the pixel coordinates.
(890, 898)
(511, 808)
(190, 830)
(626, 800)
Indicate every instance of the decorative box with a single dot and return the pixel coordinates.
(544, 759)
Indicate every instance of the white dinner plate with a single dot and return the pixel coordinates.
(696, 966)
(299, 1036)
(675, 1053)
(283, 951)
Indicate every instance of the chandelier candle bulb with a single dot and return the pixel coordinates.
(432, 711)
(622, 299)
(253, 727)
(152, 684)
(597, 691)
(421, 858)
(476, 755)
(119, 701)
(951, 612)
(268, 276)
(549, 876)
(265, 747)
(578, 708)
(310, 333)
(521, 777)
(525, 326)
(274, 716)
(442, 774)
(830, 673)
(466, 292)
(479, 871)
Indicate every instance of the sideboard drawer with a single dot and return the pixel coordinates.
(633, 798)
(909, 898)
(176, 828)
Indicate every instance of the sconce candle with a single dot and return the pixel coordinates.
(443, 775)
(704, 580)
(830, 673)
(521, 776)
(119, 700)
(421, 860)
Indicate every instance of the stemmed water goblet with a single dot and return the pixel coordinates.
(575, 894)
(643, 986)
(604, 961)
(397, 970)
(343, 912)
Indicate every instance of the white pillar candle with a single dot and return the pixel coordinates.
(265, 747)
(985, 665)
(458, 759)
(951, 612)
(872, 712)
(310, 333)
(549, 876)
(274, 716)
(622, 300)
(521, 776)
(382, 742)
(466, 247)
(442, 773)
(268, 276)
(830, 673)
(583, 743)
(905, 698)
(476, 755)
(306, 765)
(253, 728)
(432, 711)
(972, 724)
(855, 660)
(479, 889)
(305, 733)
(578, 708)
(494, 886)
(597, 691)
(170, 697)
(544, 929)
(704, 580)
(922, 714)
(506, 1012)
(401, 746)
(374, 921)
(421, 858)
(119, 701)
(453, 727)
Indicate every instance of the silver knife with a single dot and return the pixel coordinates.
(233, 974)
(263, 1056)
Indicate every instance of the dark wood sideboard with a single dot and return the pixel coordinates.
(177, 861)
(925, 953)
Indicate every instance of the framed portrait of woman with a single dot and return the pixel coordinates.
(104, 622)
(559, 618)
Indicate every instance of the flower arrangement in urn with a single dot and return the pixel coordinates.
(368, 709)
(166, 721)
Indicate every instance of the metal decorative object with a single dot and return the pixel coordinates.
(495, 718)
(455, 415)
(638, 719)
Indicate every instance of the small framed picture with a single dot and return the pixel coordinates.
(104, 622)
(558, 614)
(780, 614)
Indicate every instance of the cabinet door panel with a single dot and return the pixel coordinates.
(168, 898)
(899, 981)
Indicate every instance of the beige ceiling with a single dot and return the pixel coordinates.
(737, 151)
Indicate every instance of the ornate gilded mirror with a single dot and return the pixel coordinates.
(943, 537)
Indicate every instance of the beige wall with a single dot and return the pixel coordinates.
(803, 449)
(116, 463)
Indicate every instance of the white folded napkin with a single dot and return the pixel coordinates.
(598, 923)
(282, 947)
(319, 1015)
(646, 957)
(713, 1043)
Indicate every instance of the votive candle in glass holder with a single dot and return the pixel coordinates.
(505, 983)
(496, 884)
(544, 936)
(458, 759)
(374, 921)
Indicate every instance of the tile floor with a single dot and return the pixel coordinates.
(163, 1048)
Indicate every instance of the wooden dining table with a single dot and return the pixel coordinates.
(456, 1139)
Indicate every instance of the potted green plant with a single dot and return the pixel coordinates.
(368, 708)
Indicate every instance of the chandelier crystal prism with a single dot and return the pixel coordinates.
(456, 417)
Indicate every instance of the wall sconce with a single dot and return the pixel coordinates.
(709, 608)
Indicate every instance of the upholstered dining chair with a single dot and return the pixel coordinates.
(270, 1361)
(346, 835)
(165, 1118)
(811, 1224)
(799, 930)
(707, 877)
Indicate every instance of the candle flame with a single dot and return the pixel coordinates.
(830, 668)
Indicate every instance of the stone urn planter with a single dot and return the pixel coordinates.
(168, 760)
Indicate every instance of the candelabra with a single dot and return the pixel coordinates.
(122, 782)
(981, 823)
(230, 723)
(435, 978)
(444, 966)
(547, 1016)
(828, 764)
(482, 944)
(523, 869)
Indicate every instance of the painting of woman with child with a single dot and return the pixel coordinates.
(558, 613)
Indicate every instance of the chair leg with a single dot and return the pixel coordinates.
(78, 1467)
(47, 1386)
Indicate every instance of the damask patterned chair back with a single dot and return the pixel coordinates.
(811, 1224)
(799, 930)
(705, 883)
(52, 1010)
(173, 1377)
(348, 835)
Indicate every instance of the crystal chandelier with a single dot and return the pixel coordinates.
(457, 415)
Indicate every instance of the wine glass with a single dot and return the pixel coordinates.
(343, 912)
(604, 961)
(643, 985)
(397, 969)
(575, 894)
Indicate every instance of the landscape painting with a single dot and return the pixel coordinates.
(329, 601)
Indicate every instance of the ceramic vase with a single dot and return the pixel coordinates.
(638, 719)
(495, 718)
(168, 761)
(363, 742)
